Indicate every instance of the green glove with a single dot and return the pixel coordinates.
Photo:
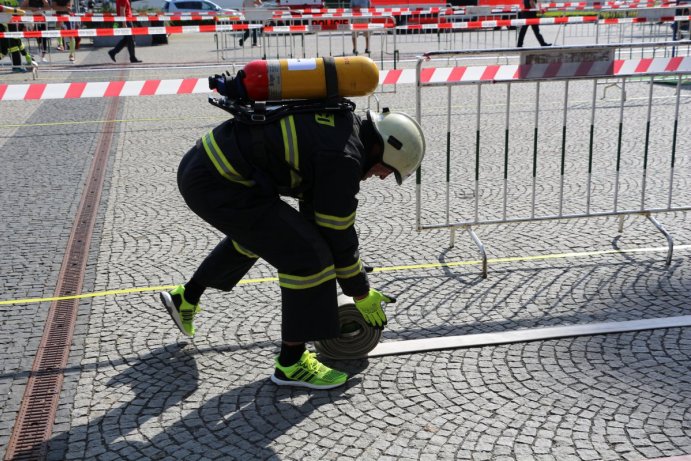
(371, 307)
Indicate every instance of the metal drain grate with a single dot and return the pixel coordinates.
(34, 423)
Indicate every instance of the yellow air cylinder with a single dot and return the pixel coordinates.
(277, 79)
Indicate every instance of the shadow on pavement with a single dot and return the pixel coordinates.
(238, 424)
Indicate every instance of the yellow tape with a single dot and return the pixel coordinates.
(378, 269)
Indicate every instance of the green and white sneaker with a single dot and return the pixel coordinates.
(181, 311)
(308, 372)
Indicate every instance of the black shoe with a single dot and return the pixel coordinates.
(546, 44)
(135, 60)
(366, 50)
(355, 52)
(111, 54)
(241, 42)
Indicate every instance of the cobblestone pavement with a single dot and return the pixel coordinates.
(136, 389)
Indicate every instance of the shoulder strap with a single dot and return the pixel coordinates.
(261, 112)
(331, 78)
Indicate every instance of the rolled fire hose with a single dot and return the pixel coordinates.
(357, 338)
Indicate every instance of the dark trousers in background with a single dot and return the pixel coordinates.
(127, 41)
(246, 35)
(42, 41)
(536, 31)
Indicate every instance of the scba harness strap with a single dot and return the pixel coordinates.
(256, 163)
(257, 114)
(261, 113)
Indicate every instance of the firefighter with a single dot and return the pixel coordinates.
(234, 178)
(14, 48)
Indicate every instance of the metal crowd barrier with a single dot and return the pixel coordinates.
(591, 29)
(333, 40)
(532, 141)
(620, 26)
(444, 39)
(233, 45)
(228, 45)
(285, 36)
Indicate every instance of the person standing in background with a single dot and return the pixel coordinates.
(123, 8)
(356, 6)
(64, 7)
(247, 7)
(529, 12)
(38, 7)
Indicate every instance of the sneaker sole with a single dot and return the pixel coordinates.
(283, 382)
(167, 301)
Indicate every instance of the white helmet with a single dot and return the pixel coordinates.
(403, 141)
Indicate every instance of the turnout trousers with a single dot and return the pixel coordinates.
(258, 223)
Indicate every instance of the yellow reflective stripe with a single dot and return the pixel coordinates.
(221, 162)
(334, 222)
(350, 271)
(325, 119)
(290, 142)
(297, 282)
(295, 179)
(243, 251)
(290, 148)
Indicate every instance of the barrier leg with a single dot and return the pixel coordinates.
(674, 143)
(670, 241)
(448, 161)
(613, 85)
(480, 247)
(620, 133)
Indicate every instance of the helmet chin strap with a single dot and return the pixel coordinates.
(372, 143)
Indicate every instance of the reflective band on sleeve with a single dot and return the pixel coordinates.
(243, 251)
(350, 271)
(290, 147)
(334, 222)
(297, 282)
(221, 162)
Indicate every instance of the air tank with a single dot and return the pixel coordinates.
(278, 79)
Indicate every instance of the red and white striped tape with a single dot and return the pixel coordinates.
(607, 4)
(613, 4)
(121, 31)
(316, 28)
(365, 12)
(320, 28)
(369, 10)
(538, 21)
(516, 72)
(437, 75)
(203, 13)
(38, 18)
(510, 6)
(467, 25)
(330, 15)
